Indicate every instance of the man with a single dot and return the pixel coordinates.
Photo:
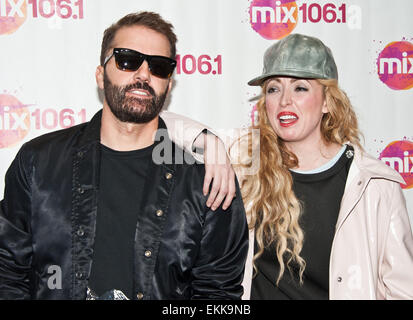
(90, 209)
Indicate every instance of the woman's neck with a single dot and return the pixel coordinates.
(313, 155)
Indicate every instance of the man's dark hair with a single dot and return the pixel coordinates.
(147, 19)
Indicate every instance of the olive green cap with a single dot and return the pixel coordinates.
(298, 56)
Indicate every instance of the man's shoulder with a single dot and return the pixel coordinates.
(53, 139)
(45, 149)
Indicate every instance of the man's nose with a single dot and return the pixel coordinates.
(143, 73)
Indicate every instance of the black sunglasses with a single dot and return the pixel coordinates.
(131, 60)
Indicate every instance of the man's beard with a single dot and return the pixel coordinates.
(133, 109)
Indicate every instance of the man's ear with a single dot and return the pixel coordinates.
(170, 85)
(100, 73)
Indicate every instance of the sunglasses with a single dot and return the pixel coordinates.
(131, 60)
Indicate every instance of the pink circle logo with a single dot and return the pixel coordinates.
(399, 156)
(273, 19)
(14, 121)
(12, 15)
(395, 65)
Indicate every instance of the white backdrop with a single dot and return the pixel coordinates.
(50, 50)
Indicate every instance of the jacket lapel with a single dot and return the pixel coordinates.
(362, 170)
(85, 188)
(153, 213)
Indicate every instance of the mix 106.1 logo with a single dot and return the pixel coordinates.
(395, 65)
(204, 65)
(13, 13)
(17, 119)
(399, 156)
(275, 19)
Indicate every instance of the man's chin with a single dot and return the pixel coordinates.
(135, 116)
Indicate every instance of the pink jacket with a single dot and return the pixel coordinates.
(372, 250)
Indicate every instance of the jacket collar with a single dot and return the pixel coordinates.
(363, 168)
(162, 137)
(371, 168)
(91, 134)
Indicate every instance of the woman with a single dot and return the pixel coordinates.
(327, 220)
(330, 221)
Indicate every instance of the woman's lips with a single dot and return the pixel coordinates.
(287, 119)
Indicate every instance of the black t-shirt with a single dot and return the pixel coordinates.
(122, 178)
(320, 195)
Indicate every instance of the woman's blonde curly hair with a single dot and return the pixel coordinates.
(272, 208)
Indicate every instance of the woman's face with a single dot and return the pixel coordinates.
(295, 108)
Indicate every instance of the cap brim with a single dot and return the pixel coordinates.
(288, 73)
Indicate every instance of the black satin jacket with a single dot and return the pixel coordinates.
(48, 219)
